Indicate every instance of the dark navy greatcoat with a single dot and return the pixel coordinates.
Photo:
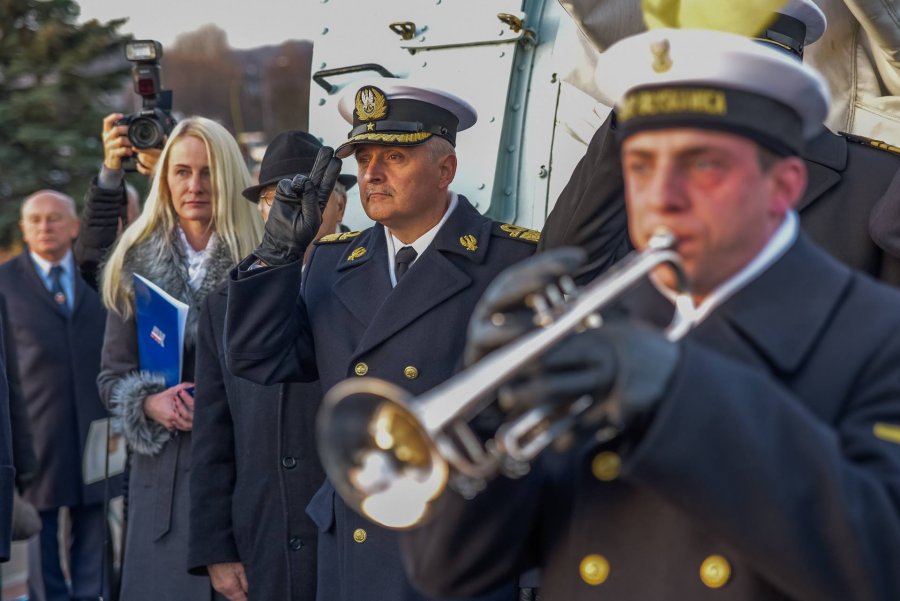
(348, 321)
(59, 358)
(770, 471)
(254, 468)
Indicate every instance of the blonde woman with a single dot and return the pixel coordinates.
(194, 227)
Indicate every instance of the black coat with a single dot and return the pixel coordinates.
(847, 181)
(774, 452)
(350, 321)
(255, 468)
(103, 211)
(59, 359)
(7, 471)
(24, 457)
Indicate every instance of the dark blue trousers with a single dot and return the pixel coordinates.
(86, 553)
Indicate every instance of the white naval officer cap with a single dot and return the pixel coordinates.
(666, 78)
(399, 112)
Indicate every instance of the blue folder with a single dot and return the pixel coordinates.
(160, 329)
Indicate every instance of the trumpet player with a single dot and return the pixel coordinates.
(758, 457)
(389, 301)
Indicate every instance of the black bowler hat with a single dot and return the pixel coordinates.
(289, 153)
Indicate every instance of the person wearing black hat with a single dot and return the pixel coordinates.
(388, 301)
(295, 152)
(754, 455)
(846, 207)
(254, 462)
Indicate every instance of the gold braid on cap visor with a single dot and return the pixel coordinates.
(410, 138)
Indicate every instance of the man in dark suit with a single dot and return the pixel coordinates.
(756, 458)
(253, 459)
(386, 301)
(848, 207)
(57, 324)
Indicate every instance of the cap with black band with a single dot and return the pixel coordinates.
(395, 112)
(668, 78)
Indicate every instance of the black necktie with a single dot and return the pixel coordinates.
(56, 288)
(405, 257)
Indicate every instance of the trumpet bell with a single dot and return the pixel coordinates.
(376, 453)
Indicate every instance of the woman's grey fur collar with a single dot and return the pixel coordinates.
(161, 260)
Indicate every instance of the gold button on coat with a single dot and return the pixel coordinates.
(361, 369)
(594, 569)
(410, 372)
(715, 571)
(605, 466)
(359, 535)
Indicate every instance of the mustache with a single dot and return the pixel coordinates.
(386, 190)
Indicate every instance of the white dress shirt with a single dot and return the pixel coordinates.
(420, 244)
(196, 259)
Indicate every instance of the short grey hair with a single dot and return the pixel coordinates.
(64, 198)
(439, 147)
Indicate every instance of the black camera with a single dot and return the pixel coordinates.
(148, 127)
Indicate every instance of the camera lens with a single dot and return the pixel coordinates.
(145, 132)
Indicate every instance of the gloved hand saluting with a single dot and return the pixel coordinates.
(296, 212)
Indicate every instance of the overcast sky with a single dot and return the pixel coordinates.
(248, 23)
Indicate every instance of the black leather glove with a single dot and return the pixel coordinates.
(625, 367)
(503, 313)
(297, 211)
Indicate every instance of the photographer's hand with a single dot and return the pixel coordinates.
(146, 160)
(297, 211)
(116, 145)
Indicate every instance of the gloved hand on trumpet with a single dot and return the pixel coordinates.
(623, 367)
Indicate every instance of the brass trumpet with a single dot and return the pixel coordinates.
(390, 455)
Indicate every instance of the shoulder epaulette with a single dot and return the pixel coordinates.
(872, 143)
(341, 237)
(516, 232)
